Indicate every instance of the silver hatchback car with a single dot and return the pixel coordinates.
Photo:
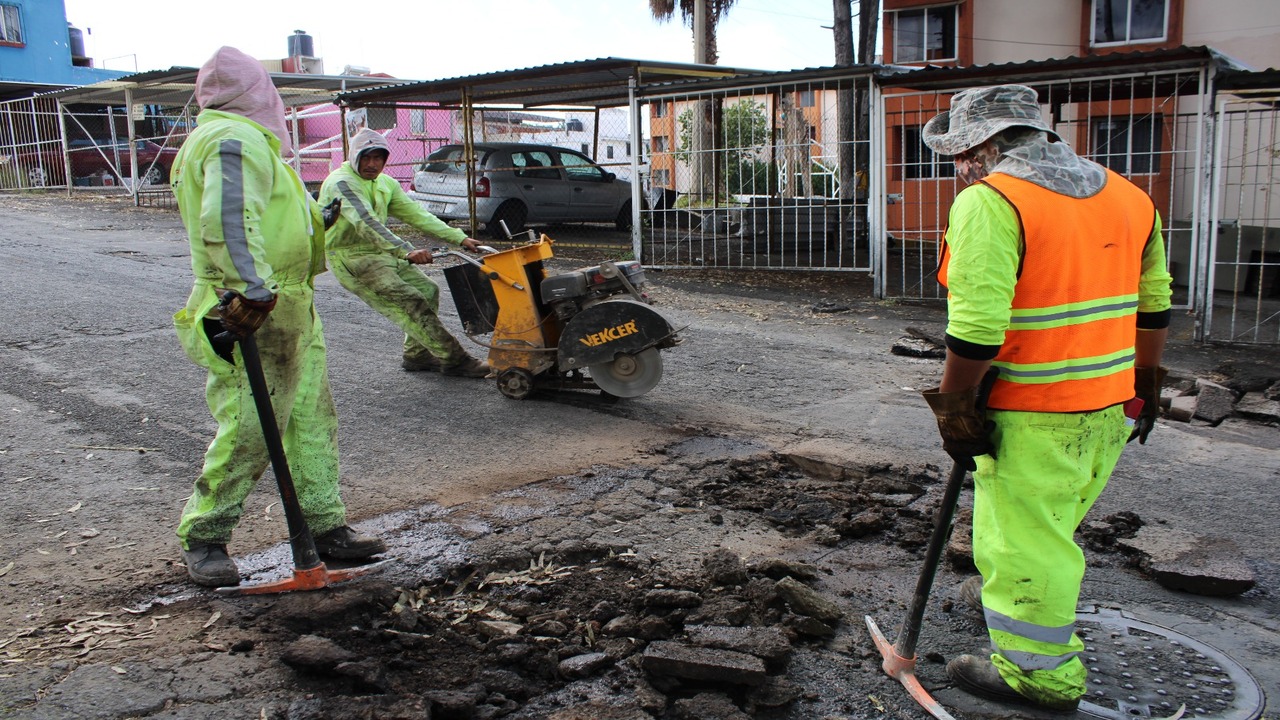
(522, 184)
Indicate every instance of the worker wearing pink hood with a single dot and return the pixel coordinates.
(257, 233)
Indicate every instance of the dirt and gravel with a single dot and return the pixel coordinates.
(708, 550)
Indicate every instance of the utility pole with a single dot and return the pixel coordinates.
(703, 121)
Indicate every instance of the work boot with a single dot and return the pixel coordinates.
(208, 564)
(970, 593)
(978, 676)
(466, 367)
(423, 363)
(346, 544)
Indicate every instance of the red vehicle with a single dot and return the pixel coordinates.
(101, 160)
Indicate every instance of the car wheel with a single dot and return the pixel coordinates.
(623, 221)
(513, 213)
(37, 177)
(156, 175)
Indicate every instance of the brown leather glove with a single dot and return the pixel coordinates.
(1147, 382)
(964, 427)
(242, 316)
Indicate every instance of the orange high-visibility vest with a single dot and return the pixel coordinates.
(1070, 342)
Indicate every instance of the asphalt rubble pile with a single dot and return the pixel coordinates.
(568, 616)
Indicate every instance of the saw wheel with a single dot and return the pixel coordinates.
(515, 383)
(629, 375)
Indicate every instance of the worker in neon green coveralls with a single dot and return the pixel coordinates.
(1056, 277)
(378, 266)
(255, 231)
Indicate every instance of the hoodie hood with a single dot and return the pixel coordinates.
(365, 141)
(233, 82)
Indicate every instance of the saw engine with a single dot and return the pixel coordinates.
(591, 328)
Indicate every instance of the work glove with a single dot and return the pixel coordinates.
(1147, 382)
(330, 212)
(962, 421)
(242, 316)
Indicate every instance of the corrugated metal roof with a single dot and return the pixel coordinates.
(13, 90)
(1038, 71)
(602, 82)
(175, 86)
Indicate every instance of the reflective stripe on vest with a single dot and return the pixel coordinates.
(1069, 346)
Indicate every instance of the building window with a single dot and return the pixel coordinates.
(805, 98)
(608, 152)
(918, 161)
(660, 143)
(418, 122)
(574, 125)
(585, 148)
(661, 177)
(10, 24)
(628, 148)
(659, 109)
(1126, 22)
(925, 35)
(1129, 146)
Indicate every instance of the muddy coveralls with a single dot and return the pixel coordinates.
(254, 229)
(369, 260)
(1066, 352)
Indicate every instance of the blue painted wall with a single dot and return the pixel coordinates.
(46, 54)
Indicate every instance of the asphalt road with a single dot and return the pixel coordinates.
(105, 422)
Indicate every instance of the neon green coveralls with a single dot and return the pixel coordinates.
(254, 229)
(369, 260)
(1051, 467)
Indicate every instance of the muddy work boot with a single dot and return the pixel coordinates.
(346, 544)
(978, 676)
(466, 367)
(422, 363)
(209, 565)
(970, 593)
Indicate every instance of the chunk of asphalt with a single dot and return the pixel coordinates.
(693, 663)
(769, 643)
(804, 600)
(1181, 560)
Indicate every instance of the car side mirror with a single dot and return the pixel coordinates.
(610, 177)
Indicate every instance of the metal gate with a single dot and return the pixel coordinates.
(763, 173)
(1241, 298)
(1149, 127)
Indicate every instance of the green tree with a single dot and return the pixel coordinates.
(742, 148)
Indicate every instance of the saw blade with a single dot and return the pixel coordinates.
(629, 375)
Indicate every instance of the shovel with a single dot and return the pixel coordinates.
(900, 657)
(309, 572)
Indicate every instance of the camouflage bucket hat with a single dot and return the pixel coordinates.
(978, 113)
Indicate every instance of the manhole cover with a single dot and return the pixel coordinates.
(1140, 670)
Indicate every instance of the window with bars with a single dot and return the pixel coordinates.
(918, 161)
(1129, 146)
(805, 98)
(1127, 22)
(418, 122)
(10, 24)
(925, 35)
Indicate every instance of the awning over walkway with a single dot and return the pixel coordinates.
(585, 83)
(175, 86)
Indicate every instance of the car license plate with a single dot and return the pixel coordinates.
(437, 207)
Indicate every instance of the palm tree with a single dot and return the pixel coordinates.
(664, 10)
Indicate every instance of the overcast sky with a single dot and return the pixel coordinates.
(434, 39)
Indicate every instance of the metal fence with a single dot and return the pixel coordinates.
(778, 174)
(1241, 298)
(759, 176)
(1149, 127)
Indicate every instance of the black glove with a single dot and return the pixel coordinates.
(1147, 382)
(242, 316)
(962, 421)
(330, 212)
